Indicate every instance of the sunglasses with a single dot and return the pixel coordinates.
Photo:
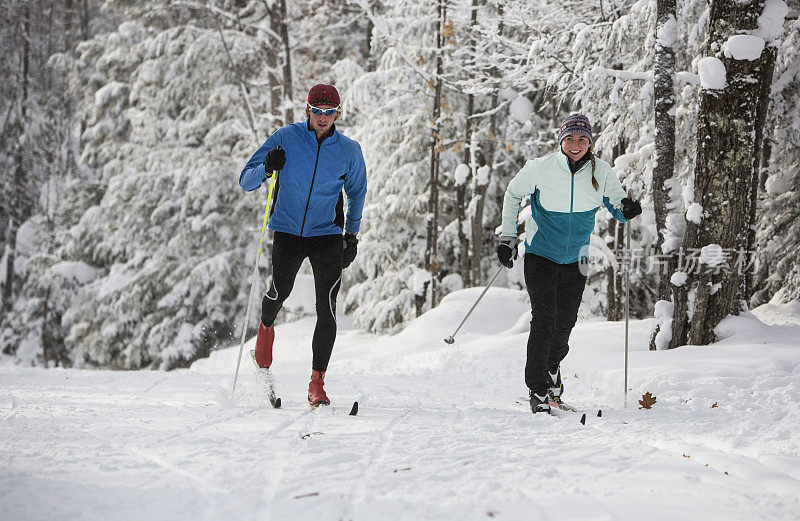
(318, 111)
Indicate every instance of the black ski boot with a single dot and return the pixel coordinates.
(540, 401)
(557, 386)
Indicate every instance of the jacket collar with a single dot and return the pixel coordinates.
(575, 166)
(330, 134)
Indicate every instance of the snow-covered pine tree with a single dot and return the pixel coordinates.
(18, 131)
(39, 159)
(392, 124)
(176, 112)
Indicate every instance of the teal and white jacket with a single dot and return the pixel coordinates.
(562, 205)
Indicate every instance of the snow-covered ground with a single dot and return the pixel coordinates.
(438, 436)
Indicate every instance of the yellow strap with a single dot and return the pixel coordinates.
(266, 211)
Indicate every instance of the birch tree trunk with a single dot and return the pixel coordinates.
(725, 177)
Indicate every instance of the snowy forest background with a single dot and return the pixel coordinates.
(127, 243)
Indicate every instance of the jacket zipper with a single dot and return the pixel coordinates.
(571, 205)
(314, 176)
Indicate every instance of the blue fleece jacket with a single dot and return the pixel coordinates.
(310, 183)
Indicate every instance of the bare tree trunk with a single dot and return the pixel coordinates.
(287, 67)
(766, 154)
(431, 253)
(482, 184)
(467, 159)
(419, 299)
(84, 14)
(761, 153)
(18, 203)
(368, 58)
(275, 82)
(614, 277)
(461, 216)
(46, 355)
(68, 15)
(725, 168)
(664, 160)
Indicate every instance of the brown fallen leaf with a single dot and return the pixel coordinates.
(647, 401)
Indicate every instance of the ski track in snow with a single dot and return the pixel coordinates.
(438, 435)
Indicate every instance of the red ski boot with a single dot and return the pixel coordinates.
(263, 354)
(316, 394)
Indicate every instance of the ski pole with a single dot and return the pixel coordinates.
(627, 302)
(255, 278)
(450, 339)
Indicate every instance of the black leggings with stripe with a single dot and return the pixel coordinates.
(325, 254)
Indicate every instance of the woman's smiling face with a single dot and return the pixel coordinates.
(575, 146)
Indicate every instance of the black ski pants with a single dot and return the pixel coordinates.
(555, 291)
(325, 254)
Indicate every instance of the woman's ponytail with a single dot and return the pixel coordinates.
(595, 184)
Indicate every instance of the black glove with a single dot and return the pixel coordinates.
(506, 251)
(275, 161)
(630, 209)
(350, 249)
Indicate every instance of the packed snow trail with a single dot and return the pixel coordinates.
(438, 435)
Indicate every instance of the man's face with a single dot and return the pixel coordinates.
(321, 123)
(575, 146)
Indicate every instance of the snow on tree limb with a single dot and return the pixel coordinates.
(712, 73)
(743, 47)
(623, 75)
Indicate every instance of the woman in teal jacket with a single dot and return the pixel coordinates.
(566, 189)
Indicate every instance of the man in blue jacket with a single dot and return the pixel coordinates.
(315, 162)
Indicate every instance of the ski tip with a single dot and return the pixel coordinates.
(583, 419)
(354, 409)
(599, 413)
(276, 403)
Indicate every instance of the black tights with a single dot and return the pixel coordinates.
(555, 291)
(325, 254)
